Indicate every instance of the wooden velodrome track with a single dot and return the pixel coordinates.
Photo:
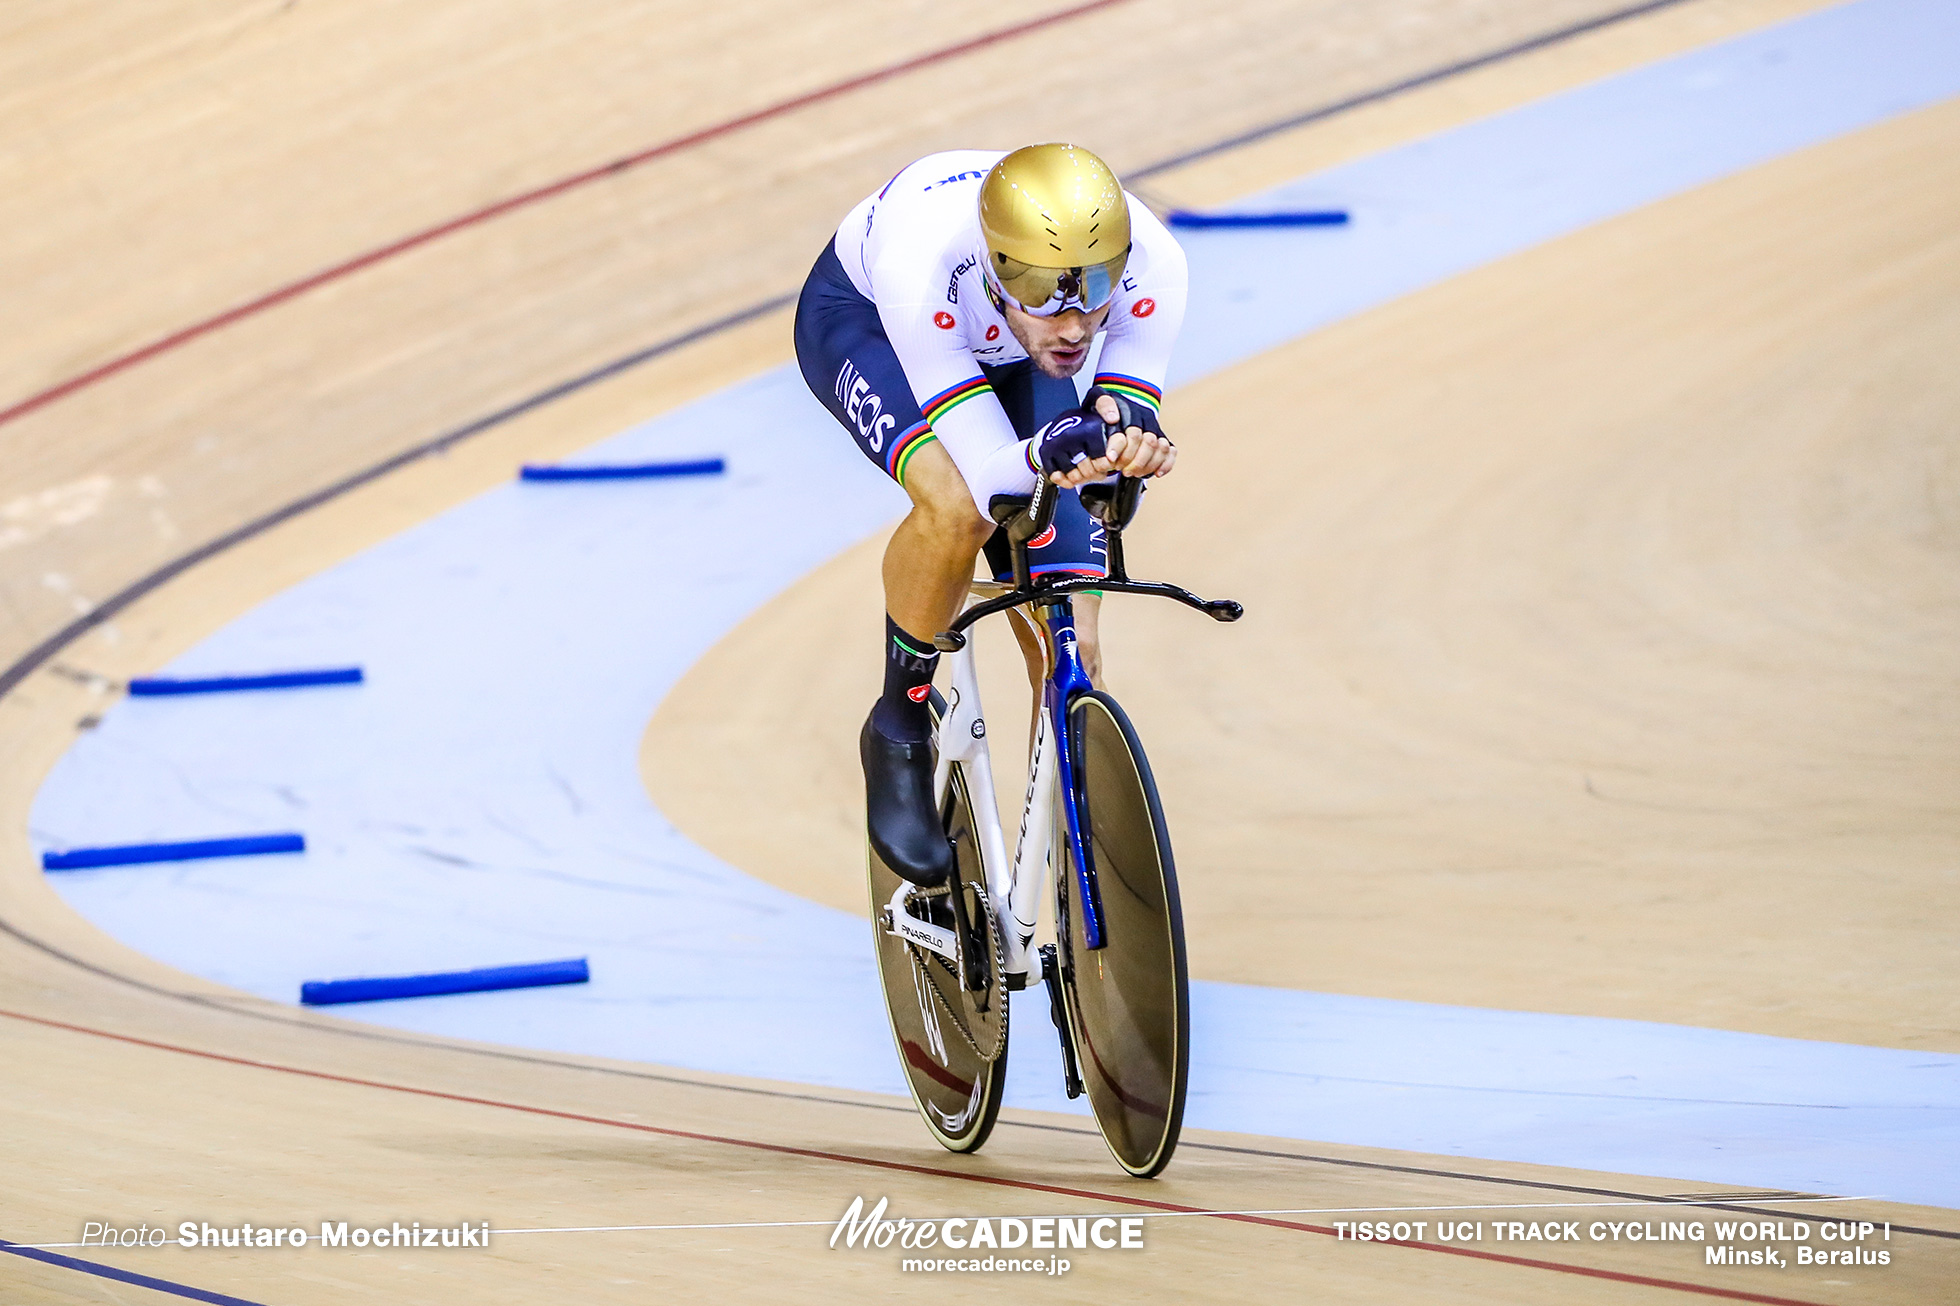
(1622, 569)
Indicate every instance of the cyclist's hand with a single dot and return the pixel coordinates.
(1073, 448)
(1138, 447)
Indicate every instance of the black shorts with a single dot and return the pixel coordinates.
(853, 371)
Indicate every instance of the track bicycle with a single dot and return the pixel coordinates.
(1115, 975)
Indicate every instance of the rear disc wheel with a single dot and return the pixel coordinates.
(952, 1041)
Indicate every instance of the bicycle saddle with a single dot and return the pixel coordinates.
(1024, 516)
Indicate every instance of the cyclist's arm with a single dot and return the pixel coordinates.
(952, 391)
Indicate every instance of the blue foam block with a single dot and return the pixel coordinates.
(530, 975)
(1301, 218)
(132, 854)
(623, 471)
(145, 686)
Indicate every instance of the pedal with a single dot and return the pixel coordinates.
(1051, 974)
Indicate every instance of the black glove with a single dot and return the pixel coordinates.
(1128, 413)
(1077, 434)
(1081, 432)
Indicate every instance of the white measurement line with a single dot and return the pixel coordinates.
(1675, 1203)
(1162, 1215)
(639, 1228)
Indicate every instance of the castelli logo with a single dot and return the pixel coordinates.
(1046, 537)
(944, 321)
(993, 333)
(918, 693)
(1144, 308)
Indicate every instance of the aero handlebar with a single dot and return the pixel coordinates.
(1025, 516)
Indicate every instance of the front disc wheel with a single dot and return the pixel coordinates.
(1128, 1001)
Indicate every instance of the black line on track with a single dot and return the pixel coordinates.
(27, 664)
(1540, 1184)
(1429, 78)
(101, 1271)
(497, 1054)
(376, 1034)
(74, 630)
(35, 657)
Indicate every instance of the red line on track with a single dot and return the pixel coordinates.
(524, 199)
(845, 1158)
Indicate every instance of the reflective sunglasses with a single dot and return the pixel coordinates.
(1044, 292)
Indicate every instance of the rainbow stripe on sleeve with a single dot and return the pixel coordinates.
(947, 400)
(912, 439)
(1131, 387)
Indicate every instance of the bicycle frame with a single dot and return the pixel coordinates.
(1014, 887)
(1141, 975)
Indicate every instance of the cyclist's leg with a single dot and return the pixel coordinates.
(850, 366)
(852, 369)
(930, 558)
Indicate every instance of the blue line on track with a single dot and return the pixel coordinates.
(39, 655)
(1297, 218)
(137, 854)
(485, 798)
(1557, 36)
(153, 686)
(124, 1276)
(529, 975)
(622, 471)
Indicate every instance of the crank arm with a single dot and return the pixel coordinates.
(972, 968)
(933, 938)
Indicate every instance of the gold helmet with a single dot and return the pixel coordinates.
(1057, 227)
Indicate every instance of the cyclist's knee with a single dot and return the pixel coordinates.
(941, 501)
(955, 521)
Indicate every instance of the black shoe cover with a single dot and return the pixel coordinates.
(905, 829)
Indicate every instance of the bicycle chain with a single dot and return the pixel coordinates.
(997, 985)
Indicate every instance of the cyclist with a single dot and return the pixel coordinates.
(943, 326)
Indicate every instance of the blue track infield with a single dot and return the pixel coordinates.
(481, 797)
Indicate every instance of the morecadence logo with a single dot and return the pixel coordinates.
(877, 1229)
